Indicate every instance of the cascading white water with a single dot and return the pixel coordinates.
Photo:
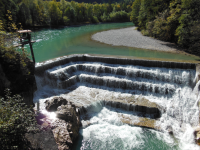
(106, 131)
(85, 83)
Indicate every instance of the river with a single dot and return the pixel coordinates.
(51, 43)
(106, 130)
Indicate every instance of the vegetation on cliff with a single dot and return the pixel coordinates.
(169, 20)
(16, 73)
(16, 119)
(17, 70)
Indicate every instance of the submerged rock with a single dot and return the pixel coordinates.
(53, 104)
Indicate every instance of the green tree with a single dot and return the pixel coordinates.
(89, 12)
(149, 9)
(135, 11)
(54, 12)
(24, 14)
(12, 7)
(143, 13)
(189, 20)
(63, 5)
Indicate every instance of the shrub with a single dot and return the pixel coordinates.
(119, 16)
(95, 19)
(16, 119)
(66, 20)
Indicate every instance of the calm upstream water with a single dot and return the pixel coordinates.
(51, 43)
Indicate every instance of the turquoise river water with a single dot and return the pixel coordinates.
(51, 43)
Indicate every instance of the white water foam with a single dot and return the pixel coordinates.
(106, 131)
(179, 116)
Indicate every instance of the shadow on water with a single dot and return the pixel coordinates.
(185, 51)
(78, 143)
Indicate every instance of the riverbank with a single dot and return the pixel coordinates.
(38, 28)
(130, 37)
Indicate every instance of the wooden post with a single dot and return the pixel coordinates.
(26, 36)
(32, 52)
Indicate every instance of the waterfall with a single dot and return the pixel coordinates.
(92, 83)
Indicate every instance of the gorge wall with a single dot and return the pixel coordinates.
(17, 74)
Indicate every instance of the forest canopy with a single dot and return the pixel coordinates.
(175, 21)
(52, 12)
(169, 20)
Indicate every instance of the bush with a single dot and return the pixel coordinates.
(105, 18)
(66, 20)
(16, 119)
(7, 52)
(119, 16)
(95, 19)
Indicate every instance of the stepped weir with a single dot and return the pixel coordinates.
(165, 93)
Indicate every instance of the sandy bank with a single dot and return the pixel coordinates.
(130, 37)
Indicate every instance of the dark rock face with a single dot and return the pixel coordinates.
(42, 140)
(66, 128)
(18, 77)
(66, 112)
(53, 104)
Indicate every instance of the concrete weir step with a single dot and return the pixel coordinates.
(40, 69)
(141, 106)
(142, 122)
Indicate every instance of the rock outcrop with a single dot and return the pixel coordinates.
(53, 104)
(197, 135)
(66, 127)
(43, 140)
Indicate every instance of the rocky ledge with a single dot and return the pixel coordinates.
(66, 127)
(197, 135)
(59, 134)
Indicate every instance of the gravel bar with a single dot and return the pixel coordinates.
(130, 37)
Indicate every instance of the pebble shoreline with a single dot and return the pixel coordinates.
(130, 37)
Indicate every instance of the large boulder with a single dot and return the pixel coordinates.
(62, 137)
(53, 104)
(66, 112)
(197, 135)
(66, 127)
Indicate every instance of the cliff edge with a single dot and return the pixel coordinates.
(17, 74)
